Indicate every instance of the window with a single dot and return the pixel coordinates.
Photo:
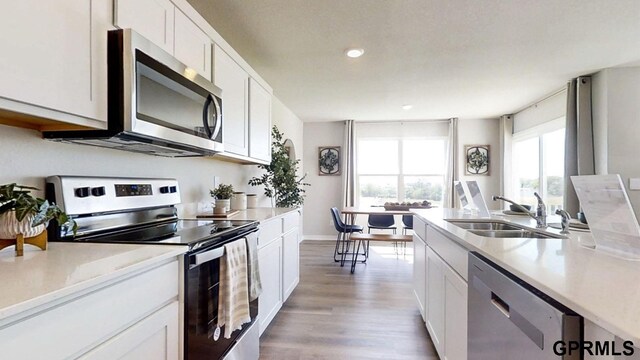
(401, 170)
(538, 165)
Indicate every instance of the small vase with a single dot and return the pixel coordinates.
(222, 206)
(10, 227)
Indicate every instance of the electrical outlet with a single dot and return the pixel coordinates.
(634, 183)
(216, 181)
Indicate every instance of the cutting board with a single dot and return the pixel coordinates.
(218, 216)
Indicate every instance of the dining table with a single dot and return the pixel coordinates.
(350, 214)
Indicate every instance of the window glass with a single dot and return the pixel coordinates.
(378, 157)
(553, 169)
(526, 170)
(423, 156)
(376, 190)
(420, 188)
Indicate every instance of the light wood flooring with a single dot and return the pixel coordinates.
(333, 314)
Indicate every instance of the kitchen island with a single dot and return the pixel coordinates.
(600, 287)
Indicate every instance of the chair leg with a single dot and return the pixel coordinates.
(336, 252)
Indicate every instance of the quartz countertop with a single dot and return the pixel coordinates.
(40, 277)
(260, 214)
(596, 285)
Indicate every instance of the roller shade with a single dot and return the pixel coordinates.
(541, 112)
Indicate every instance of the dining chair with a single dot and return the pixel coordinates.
(381, 222)
(343, 230)
(407, 222)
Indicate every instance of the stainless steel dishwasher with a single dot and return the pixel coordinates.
(509, 319)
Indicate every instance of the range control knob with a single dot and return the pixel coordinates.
(164, 189)
(173, 189)
(98, 191)
(82, 192)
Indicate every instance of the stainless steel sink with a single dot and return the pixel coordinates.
(484, 225)
(515, 234)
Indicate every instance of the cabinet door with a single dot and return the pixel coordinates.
(455, 314)
(153, 338)
(259, 122)
(234, 82)
(270, 301)
(54, 56)
(290, 263)
(420, 273)
(192, 46)
(152, 19)
(435, 300)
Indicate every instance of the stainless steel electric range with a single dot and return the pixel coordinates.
(143, 211)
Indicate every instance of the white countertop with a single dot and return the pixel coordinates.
(598, 286)
(40, 277)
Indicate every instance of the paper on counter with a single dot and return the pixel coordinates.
(478, 199)
(462, 195)
(612, 220)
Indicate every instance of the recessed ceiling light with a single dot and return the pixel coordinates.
(354, 53)
(407, 107)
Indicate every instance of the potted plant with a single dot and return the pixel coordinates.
(222, 194)
(280, 181)
(22, 213)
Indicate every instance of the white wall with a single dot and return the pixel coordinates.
(482, 132)
(27, 159)
(616, 118)
(325, 191)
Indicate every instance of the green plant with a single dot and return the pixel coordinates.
(222, 192)
(18, 198)
(280, 180)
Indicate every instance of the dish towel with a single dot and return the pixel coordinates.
(233, 300)
(255, 286)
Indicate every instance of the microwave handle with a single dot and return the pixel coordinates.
(216, 117)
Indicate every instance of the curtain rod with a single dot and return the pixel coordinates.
(537, 102)
(403, 121)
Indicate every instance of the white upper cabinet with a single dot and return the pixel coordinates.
(234, 82)
(53, 61)
(192, 45)
(259, 122)
(153, 19)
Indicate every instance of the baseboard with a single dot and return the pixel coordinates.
(319, 237)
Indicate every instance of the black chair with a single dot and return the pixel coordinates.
(343, 230)
(407, 222)
(381, 222)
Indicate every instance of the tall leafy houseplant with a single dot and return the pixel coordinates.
(280, 181)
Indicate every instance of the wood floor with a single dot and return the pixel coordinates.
(334, 314)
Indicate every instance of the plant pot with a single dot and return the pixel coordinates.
(10, 227)
(222, 204)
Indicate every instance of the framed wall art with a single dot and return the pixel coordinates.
(477, 159)
(329, 160)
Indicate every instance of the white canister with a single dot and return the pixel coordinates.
(252, 201)
(238, 201)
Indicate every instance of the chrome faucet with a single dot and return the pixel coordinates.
(541, 210)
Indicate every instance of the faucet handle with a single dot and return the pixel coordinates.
(565, 220)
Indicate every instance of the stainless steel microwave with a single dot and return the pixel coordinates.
(157, 105)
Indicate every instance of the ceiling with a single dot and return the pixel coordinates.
(447, 58)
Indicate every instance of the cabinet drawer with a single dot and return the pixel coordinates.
(70, 329)
(453, 254)
(269, 230)
(290, 221)
(419, 227)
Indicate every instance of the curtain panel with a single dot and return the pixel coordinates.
(349, 174)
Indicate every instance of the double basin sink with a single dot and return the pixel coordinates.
(497, 229)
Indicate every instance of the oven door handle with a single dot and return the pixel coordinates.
(201, 258)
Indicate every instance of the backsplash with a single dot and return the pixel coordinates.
(27, 159)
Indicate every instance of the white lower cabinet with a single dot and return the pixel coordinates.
(133, 317)
(270, 301)
(153, 338)
(420, 273)
(278, 256)
(441, 289)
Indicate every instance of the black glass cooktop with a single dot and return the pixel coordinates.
(195, 233)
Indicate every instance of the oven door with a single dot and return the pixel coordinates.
(203, 338)
(165, 99)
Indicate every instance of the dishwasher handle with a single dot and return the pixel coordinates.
(502, 306)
